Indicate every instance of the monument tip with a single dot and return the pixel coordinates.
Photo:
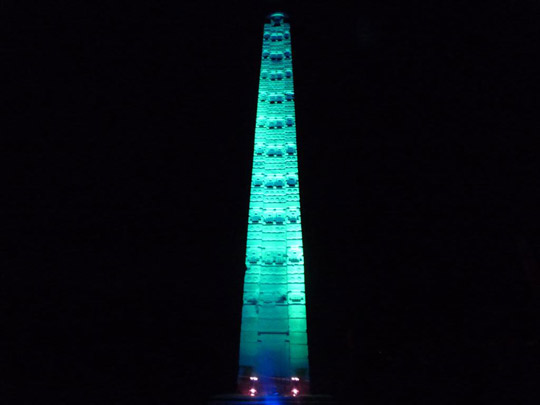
(277, 18)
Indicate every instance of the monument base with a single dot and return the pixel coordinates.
(271, 400)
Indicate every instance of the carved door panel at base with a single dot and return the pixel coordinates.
(273, 355)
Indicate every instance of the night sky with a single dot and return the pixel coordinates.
(129, 135)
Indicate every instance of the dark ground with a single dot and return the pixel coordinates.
(129, 133)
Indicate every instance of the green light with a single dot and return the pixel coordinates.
(273, 340)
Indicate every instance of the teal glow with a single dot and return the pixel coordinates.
(273, 340)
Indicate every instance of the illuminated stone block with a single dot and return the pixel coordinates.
(271, 325)
(297, 311)
(250, 336)
(279, 312)
(299, 351)
(250, 324)
(297, 325)
(298, 338)
(273, 279)
(250, 311)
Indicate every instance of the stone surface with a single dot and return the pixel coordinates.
(273, 340)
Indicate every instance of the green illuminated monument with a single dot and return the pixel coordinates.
(273, 343)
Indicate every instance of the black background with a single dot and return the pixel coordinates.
(129, 136)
